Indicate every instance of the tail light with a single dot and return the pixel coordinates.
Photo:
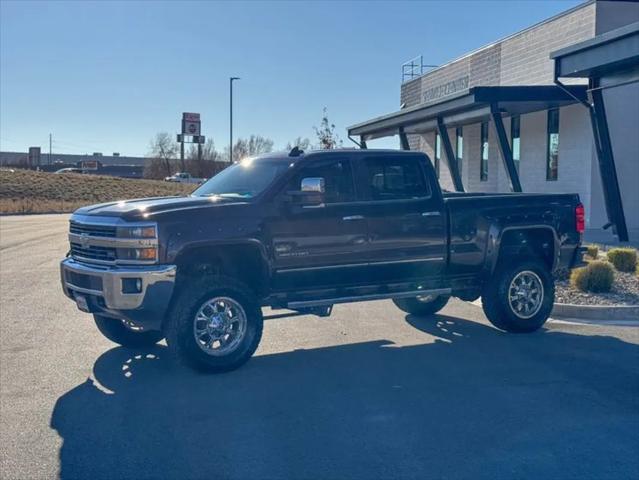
(580, 218)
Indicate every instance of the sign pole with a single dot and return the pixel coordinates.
(182, 154)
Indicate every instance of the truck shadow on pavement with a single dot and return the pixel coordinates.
(476, 403)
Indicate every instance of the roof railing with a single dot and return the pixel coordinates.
(415, 68)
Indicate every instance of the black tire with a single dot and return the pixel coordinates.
(116, 331)
(495, 296)
(419, 307)
(179, 329)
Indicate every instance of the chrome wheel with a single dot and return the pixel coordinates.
(219, 326)
(525, 294)
(426, 298)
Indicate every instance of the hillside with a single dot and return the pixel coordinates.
(26, 191)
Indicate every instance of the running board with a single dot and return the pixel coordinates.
(364, 298)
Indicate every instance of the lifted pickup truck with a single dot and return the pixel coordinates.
(304, 232)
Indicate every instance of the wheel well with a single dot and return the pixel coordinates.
(242, 262)
(539, 242)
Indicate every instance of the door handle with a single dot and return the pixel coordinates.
(349, 218)
(431, 214)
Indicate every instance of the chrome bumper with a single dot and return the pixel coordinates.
(104, 285)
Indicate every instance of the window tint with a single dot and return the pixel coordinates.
(459, 147)
(391, 178)
(338, 179)
(438, 153)
(483, 173)
(515, 126)
(552, 157)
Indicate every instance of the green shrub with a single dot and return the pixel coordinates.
(624, 259)
(593, 251)
(597, 276)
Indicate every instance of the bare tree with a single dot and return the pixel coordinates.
(326, 136)
(163, 153)
(250, 147)
(208, 165)
(299, 142)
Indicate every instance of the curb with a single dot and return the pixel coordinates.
(602, 313)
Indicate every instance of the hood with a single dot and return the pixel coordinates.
(147, 207)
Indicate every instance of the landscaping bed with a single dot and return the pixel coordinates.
(610, 279)
(625, 291)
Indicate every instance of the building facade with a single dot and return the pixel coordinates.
(550, 134)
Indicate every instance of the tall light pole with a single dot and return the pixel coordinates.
(231, 119)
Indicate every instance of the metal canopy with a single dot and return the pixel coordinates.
(475, 105)
(614, 50)
(612, 55)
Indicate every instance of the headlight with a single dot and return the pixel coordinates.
(137, 232)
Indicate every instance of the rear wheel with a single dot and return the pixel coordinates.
(215, 326)
(115, 330)
(422, 305)
(520, 296)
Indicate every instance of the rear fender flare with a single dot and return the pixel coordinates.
(495, 235)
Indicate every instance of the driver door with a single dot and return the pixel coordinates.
(322, 244)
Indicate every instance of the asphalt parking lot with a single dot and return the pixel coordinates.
(367, 393)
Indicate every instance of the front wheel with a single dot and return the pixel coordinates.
(422, 305)
(216, 325)
(115, 330)
(519, 297)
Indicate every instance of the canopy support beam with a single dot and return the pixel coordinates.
(505, 150)
(451, 158)
(606, 160)
(403, 139)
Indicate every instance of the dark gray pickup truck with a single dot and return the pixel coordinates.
(304, 232)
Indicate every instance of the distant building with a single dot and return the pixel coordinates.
(507, 125)
(115, 165)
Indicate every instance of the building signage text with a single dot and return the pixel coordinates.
(446, 89)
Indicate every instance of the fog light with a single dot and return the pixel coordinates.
(131, 285)
(145, 253)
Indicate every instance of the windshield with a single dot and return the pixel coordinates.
(246, 179)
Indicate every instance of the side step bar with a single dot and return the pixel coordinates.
(364, 298)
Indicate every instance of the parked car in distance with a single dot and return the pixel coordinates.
(184, 177)
(304, 232)
(69, 170)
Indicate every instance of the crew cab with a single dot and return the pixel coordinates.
(303, 232)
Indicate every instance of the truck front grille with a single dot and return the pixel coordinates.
(103, 254)
(80, 280)
(92, 230)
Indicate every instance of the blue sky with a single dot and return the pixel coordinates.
(106, 76)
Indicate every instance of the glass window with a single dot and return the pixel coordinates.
(438, 153)
(552, 156)
(395, 179)
(244, 180)
(338, 179)
(483, 173)
(515, 139)
(459, 147)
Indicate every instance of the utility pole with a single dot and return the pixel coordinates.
(231, 119)
(50, 143)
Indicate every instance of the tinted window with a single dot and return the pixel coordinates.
(483, 173)
(552, 157)
(395, 178)
(338, 179)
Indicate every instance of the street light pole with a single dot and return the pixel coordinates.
(231, 119)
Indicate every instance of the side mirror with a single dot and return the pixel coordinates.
(310, 194)
(312, 184)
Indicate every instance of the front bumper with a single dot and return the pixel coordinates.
(104, 290)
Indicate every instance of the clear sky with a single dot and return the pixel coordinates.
(106, 76)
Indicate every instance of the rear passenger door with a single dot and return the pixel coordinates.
(405, 218)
